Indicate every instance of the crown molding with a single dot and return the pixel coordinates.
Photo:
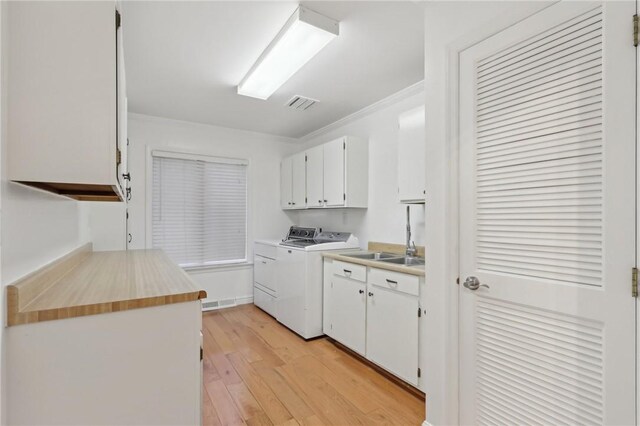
(405, 93)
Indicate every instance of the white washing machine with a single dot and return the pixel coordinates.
(299, 277)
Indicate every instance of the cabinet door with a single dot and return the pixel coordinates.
(291, 303)
(264, 272)
(411, 156)
(121, 116)
(348, 313)
(315, 172)
(334, 172)
(285, 183)
(299, 181)
(392, 332)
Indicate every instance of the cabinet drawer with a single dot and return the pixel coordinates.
(404, 283)
(264, 301)
(264, 272)
(350, 270)
(265, 250)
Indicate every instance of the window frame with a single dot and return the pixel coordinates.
(195, 156)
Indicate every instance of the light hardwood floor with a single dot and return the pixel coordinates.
(257, 372)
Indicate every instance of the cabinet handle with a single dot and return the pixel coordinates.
(289, 251)
(392, 282)
(325, 201)
(361, 291)
(264, 262)
(130, 238)
(320, 201)
(293, 204)
(346, 271)
(370, 294)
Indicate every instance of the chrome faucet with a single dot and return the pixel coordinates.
(411, 250)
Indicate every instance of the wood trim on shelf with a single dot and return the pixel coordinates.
(79, 192)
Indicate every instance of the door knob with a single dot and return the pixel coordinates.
(473, 283)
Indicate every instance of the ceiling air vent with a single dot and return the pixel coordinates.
(300, 103)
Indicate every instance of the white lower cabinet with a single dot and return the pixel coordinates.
(392, 332)
(348, 313)
(376, 313)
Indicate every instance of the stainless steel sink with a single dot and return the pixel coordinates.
(374, 256)
(405, 260)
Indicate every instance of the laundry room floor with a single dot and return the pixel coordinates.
(257, 372)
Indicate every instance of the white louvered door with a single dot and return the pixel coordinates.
(547, 220)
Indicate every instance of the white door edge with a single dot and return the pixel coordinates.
(444, 408)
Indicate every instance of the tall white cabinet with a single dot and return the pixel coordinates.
(292, 182)
(412, 156)
(315, 177)
(331, 175)
(67, 98)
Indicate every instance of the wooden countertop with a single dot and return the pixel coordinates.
(88, 283)
(380, 247)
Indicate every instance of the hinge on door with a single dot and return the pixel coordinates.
(635, 30)
(118, 19)
(419, 312)
(458, 280)
(305, 200)
(201, 353)
(344, 197)
(344, 146)
(118, 157)
(634, 282)
(305, 158)
(419, 372)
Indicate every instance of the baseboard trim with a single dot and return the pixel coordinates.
(214, 305)
(410, 388)
(244, 300)
(426, 423)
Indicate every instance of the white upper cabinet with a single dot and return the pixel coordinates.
(412, 156)
(298, 181)
(66, 98)
(315, 173)
(293, 182)
(286, 185)
(333, 175)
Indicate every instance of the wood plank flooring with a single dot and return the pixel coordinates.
(257, 372)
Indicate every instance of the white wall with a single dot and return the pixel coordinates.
(107, 225)
(385, 218)
(448, 25)
(36, 227)
(266, 220)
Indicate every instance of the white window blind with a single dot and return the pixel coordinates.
(199, 209)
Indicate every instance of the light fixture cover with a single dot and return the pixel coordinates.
(302, 37)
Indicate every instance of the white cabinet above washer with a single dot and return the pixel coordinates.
(336, 175)
(292, 182)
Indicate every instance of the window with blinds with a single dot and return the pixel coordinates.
(199, 209)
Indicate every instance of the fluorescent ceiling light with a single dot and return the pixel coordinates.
(302, 37)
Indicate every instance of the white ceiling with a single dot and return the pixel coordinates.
(184, 60)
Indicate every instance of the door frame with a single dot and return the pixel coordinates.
(449, 412)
